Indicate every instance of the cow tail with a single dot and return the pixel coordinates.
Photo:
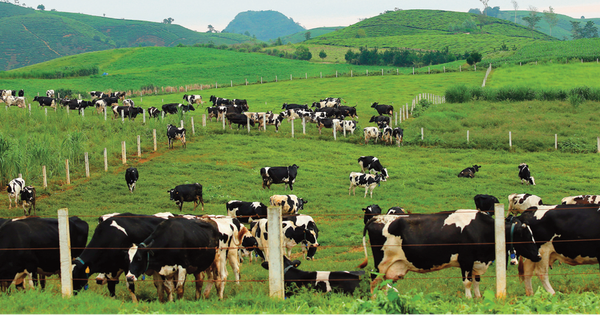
(521, 269)
(366, 261)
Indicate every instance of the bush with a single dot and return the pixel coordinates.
(457, 94)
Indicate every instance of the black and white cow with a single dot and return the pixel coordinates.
(217, 101)
(398, 134)
(568, 233)
(239, 119)
(345, 125)
(174, 247)
(131, 177)
(386, 135)
(127, 111)
(50, 93)
(153, 112)
(45, 101)
(290, 204)
(371, 133)
(328, 102)
(581, 200)
(14, 189)
(372, 165)
(78, 104)
(485, 203)
(525, 175)
(469, 171)
(28, 199)
(246, 211)
(275, 120)
(383, 109)
(128, 102)
(279, 175)
(187, 192)
(21, 93)
(430, 242)
(213, 112)
(348, 111)
(330, 112)
(105, 255)
(381, 121)
(193, 99)
(323, 281)
(30, 235)
(102, 104)
(300, 229)
(97, 94)
(370, 212)
(326, 123)
(173, 108)
(294, 106)
(369, 181)
(174, 133)
(518, 203)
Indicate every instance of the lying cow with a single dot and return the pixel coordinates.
(369, 181)
(324, 281)
(279, 175)
(187, 192)
(469, 171)
(525, 175)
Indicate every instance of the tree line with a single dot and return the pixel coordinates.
(406, 58)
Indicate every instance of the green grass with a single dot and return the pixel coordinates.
(552, 52)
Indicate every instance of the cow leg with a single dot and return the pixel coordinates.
(234, 262)
(476, 286)
(366, 191)
(181, 275)
(199, 281)
(467, 282)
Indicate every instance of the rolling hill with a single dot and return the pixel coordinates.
(264, 25)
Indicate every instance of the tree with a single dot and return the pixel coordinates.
(168, 21)
(576, 29)
(322, 54)
(515, 6)
(211, 29)
(532, 20)
(474, 57)
(302, 53)
(307, 35)
(361, 33)
(41, 7)
(590, 30)
(483, 20)
(485, 5)
(551, 18)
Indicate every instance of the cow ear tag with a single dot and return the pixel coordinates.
(143, 277)
(86, 287)
(87, 270)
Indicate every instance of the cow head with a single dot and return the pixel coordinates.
(139, 259)
(385, 174)
(520, 238)
(174, 195)
(80, 274)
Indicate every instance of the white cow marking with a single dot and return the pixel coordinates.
(461, 218)
(120, 228)
(323, 276)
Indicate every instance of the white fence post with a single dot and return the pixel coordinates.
(154, 138)
(193, 127)
(87, 165)
(293, 128)
(467, 136)
(67, 170)
(123, 152)
(275, 258)
(105, 161)
(64, 241)
(555, 141)
(139, 146)
(45, 179)
(500, 251)
(422, 134)
(510, 139)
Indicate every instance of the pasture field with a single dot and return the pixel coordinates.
(227, 163)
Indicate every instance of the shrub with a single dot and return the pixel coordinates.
(457, 94)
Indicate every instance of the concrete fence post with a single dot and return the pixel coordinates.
(275, 258)
(500, 236)
(123, 152)
(64, 241)
(45, 179)
(67, 171)
(139, 146)
(87, 165)
(105, 161)
(154, 138)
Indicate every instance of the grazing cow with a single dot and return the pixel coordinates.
(173, 108)
(430, 242)
(383, 109)
(568, 233)
(330, 112)
(398, 134)
(174, 133)
(275, 120)
(524, 174)
(128, 102)
(300, 229)
(212, 112)
(105, 255)
(50, 93)
(326, 123)
(323, 281)
(102, 103)
(290, 204)
(119, 95)
(31, 245)
(127, 111)
(327, 102)
(78, 104)
(581, 200)
(371, 133)
(187, 192)
(28, 199)
(45, 101)
(217, 101)
(97, 94)
(369, 181)
(131, 177)
(345, 125)
(469, 171)
(381, 121)
(372, 164)
(176, 246)
(294, 106)
(386, 135)
(279, 175)
(14, 101)
(485, 203)
(153, 112)
(239, 119)
(518, 203)
(193, 99)
(348, 111)
(14, 190)
(245, 211)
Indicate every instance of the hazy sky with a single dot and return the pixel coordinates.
(197, 15)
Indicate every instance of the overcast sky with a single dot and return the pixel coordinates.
(197, 15)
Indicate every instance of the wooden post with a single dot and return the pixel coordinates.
(293, 128)
(334, 132)
(154, 138)
(401, 113)
(87, 165)
(139, 146)
(181, 123)
(67, 170)
(276, 285)
(104, 113)
(193, 127)
(105, 161)
(123, 152)
(500, 251)
(598, 141)
(510, 139)
(44, 178)
(64, 241)
(396, 118)
(555, 141)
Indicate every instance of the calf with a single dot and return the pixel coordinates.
(398, 134)
(300, 229)
(381, 121)
(372, 164)
(524, 174)
(369, 181)
(193, 99)
(485, 203)
(324, 281)
(28, 199)
(175, 133)
(290, 204)
(518, 203)
(128, 102)
(345, 125)
(469, 171)
(131, 177)
(371, 133)
(187, 192)
(14, 189)
(279, 175)
(45, 101)
(245, 211)
(383, 109)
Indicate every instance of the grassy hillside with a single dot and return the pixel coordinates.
(264, 25)
(45, 35)
(314, 32)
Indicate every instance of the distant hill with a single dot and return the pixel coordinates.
(264, 25)
(29, 36)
